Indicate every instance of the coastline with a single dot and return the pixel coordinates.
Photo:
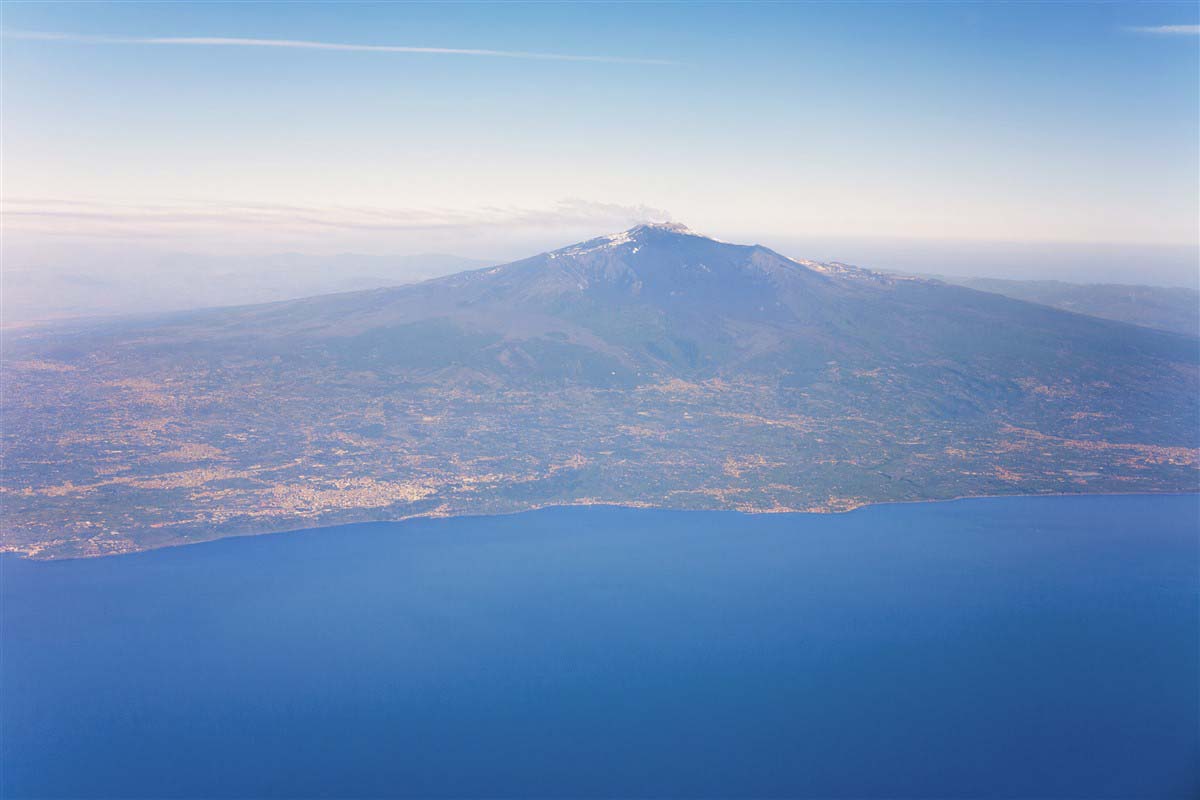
(431, 515)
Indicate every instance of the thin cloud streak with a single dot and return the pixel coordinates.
(52, 217)
(299, 44)
(1169, 30)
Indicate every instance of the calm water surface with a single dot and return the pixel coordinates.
(987, 648)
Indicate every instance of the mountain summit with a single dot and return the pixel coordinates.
(650, 367)
(664, 265)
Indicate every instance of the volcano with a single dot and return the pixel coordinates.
(652, 367)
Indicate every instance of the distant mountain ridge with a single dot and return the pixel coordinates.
(652, 367)
(182, 281)
(1174, 308)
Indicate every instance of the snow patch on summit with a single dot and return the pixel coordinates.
(841, 270)
(673, 227)
(634, 236)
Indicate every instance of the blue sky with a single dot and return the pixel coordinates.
(1069, 123)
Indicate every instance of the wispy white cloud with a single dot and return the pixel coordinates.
(299, 44)
(1168, 30)
(64, 217)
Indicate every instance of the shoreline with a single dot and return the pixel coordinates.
(613, 505)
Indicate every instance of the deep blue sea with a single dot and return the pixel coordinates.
(1018, 647)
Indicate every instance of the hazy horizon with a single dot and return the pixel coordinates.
(43, 284)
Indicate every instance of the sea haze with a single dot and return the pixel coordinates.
(1016, 647)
